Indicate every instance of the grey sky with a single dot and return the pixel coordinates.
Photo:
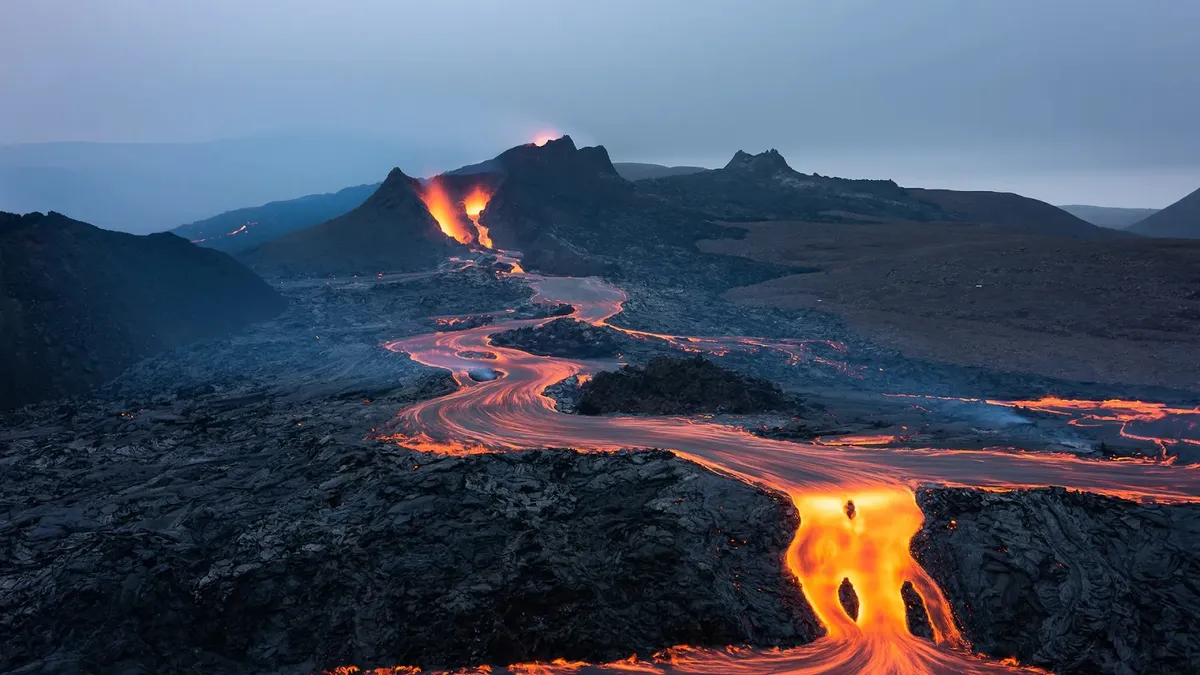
(1088, 101)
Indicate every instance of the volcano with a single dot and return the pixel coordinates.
(392, 231)
(78, 304)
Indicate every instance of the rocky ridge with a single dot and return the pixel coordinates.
(79, 304)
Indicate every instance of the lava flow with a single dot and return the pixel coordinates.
(857, 506)
(450, 216)
(1139, 420)
(1146, 421)
(474, 205)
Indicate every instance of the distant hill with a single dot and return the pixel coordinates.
(764, 187)
(391, 231)
(570, 211)
(640, 171)
(79, 304)
(1181, 220)
(1108, 216)
(243, 229)
(1012, 210)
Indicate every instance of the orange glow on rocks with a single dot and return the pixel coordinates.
(474, 205)
(444, 211)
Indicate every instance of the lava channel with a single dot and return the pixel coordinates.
(857, 508)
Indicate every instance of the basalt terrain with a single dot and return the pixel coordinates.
(429, 457)
(79, 304)
(1072, 582)
(675, 386)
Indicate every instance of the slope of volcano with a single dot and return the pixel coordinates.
(392, 231)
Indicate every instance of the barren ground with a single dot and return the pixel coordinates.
(1121, 311)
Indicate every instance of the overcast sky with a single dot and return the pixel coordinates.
(1089, 101)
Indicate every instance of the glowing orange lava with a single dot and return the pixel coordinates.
(861, 441)
(1146, 421)
(474, 205)
(443, 210)
(1130, 415)
(867, 543)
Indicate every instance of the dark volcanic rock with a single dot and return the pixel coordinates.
(391, 231)
(764, 187)
(1072, 582)
(570, 212)
(915, 614)
(79, 304)
(310, 553)
(565, 337)
(542, 310)
(680, 386)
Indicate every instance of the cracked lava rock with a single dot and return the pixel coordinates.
(319, 554)
(1074, 582)
(680, 386)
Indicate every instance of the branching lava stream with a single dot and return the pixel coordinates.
(857, 507)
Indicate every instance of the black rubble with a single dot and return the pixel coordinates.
(249, 536)
(569, 338)
(680, 386)
(1073, 582)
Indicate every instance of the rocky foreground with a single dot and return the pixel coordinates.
(219, 533)
(222, 509)
(239, 536)
(1072, 582)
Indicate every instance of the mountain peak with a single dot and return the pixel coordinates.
(557, 157)
(397, 177)
(770, 160)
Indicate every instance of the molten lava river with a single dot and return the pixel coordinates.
(867, 544)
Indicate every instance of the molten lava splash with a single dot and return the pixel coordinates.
(857, 509)
(473, 205)
(862, 535)
(443, 210)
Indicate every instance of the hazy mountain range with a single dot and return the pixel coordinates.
(1108, 216)
(147, 187)
(150, 187)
